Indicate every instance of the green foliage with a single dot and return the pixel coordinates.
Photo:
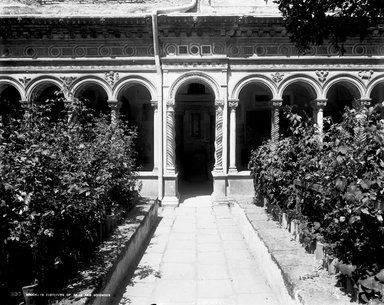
(61, 173)
(335, 187)
(313, 21)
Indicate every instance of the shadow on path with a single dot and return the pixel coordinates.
(190, 189)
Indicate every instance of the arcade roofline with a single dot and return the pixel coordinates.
(194, 17)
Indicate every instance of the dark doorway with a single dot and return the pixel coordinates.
(195, 135)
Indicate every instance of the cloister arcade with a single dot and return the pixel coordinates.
(199, 130)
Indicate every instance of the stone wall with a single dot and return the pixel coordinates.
(46, 2)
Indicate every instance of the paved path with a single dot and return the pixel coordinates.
(197, 256)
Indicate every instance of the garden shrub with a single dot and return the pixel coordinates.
(335, 187)
(61, 173)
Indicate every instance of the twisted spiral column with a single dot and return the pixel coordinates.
(219, 105)
(171, 144)
(275, 124)
(361, 117)
(115, 106)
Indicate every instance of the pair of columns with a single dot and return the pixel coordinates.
(275, 122)
(219, 105)
(275, 105)
(170, 136)
(115, 106)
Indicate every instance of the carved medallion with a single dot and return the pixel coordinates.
(25, 81)
(67, 81)
(366, 75)
(112, 77)
(322, 75)
(277, 77)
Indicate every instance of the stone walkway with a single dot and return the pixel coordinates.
(197, 256)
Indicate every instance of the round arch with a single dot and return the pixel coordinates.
(194, 77)
(256, 79)
(11, 82)
(305, 80)
(127, 82)
(40, 83)
(377, 81)
(91, 80)
(349, 81)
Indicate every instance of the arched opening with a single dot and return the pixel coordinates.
(136, 109)
(297, 95)
(253, 121)
(94, 97)
(47, 92)
(377, 94)
(339, 96)
(195, 135)
(10, 106)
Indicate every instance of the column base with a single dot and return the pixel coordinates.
(240, 184)
(219, 186)
(232, 170)
(170, 201)
(171, 190)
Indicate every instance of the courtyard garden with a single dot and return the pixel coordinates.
(332, 186)
(66, 172)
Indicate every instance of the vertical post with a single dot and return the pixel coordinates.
(156, 135)
(275, 120)
(219, 105)
(232, 134)
(27, 111)
(170, 129)
(361, 118)
(115, 106)
(318, 113)
(365, 102)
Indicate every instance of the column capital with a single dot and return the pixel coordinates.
(365, 101)
(319, 103)
(114, 104)
(233, 103)
(154, 104)
(219, 103)
(276, 103)
(171, 104)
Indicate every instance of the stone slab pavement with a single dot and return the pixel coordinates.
(197, 256)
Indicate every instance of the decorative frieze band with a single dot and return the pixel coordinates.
(114, 49)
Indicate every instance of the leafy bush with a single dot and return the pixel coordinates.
(335, 187)
(61, 173)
